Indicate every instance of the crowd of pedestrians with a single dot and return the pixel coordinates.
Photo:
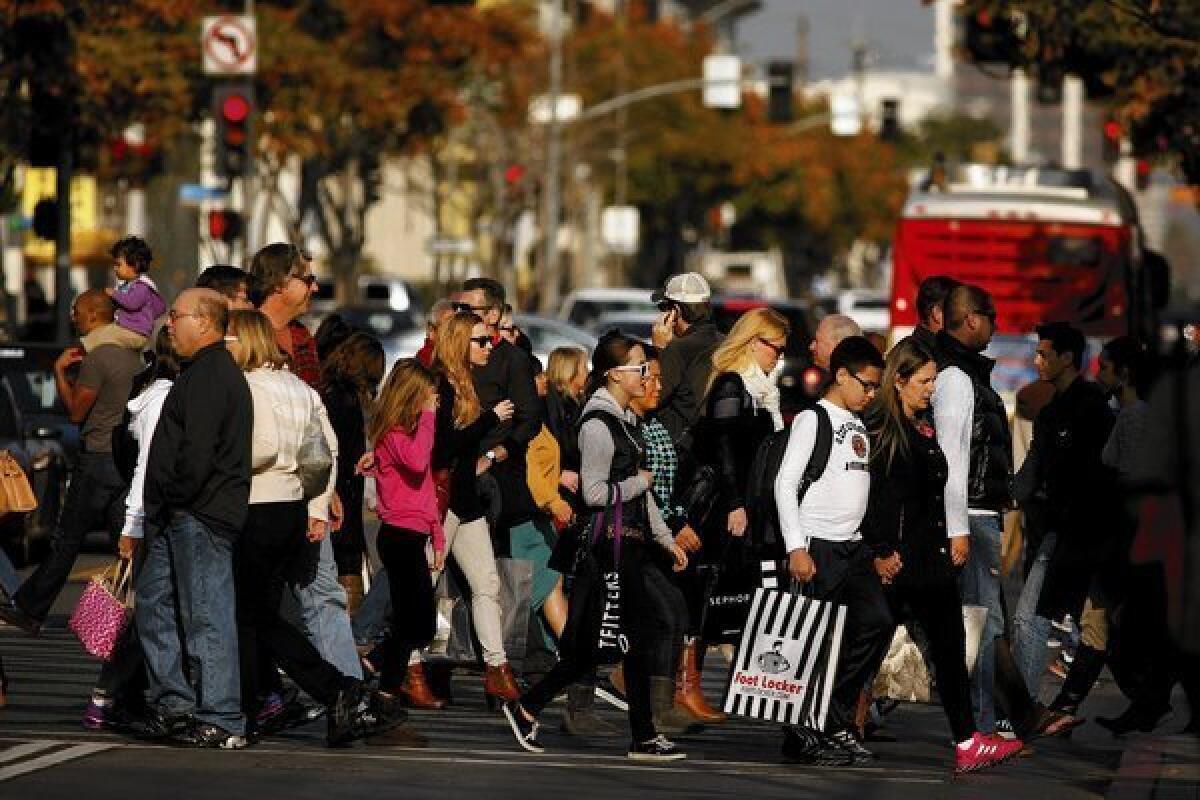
(239, 456)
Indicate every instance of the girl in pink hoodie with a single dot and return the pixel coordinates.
(402, 428)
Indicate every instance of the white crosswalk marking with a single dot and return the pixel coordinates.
(26, 757)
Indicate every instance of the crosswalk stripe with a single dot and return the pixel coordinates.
(23, 750)
(51, 759)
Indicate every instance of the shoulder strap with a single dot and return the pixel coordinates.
(820, 454)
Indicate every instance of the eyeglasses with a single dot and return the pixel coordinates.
(868, 386)
(483, 341)
(467, 307)
(642, 369)
(778, 349)
(175, 316)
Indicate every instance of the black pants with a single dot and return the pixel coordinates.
(413, 622)
(123, 677)
(577, 649)
(95, 501)
(937, 609)
(350, 543)
(669, 620)
(274, 537)
(846, 576)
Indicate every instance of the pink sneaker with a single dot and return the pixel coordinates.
(983, 752)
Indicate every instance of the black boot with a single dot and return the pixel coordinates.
(668, 718)
(1137, 717)
(580, 718)
(1085, 670)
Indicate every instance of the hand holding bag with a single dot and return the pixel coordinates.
(16, 495)
(104, 610)
(612, 643)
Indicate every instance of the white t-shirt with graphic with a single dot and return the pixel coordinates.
(834, 505)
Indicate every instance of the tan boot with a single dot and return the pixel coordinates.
(688, 694)
(353, 584)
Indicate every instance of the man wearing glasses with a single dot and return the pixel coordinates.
(285, 286)
(972, 430)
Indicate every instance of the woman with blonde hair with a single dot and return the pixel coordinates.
(282, 520)
(566, 378)
(463, 344)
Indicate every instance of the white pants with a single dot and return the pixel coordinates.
(471, 546)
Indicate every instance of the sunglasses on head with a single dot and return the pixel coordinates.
(483, 341)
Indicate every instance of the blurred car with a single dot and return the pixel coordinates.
(33, 427)
(582, 307)
(789, 375)
(547, 334)
(868, 307)
(379, 291)
(637, 324)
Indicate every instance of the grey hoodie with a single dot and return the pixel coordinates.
(596, 450)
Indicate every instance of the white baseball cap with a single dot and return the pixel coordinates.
(690, 287)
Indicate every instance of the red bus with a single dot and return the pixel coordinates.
(1048, 244)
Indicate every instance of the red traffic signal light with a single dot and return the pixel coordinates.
(233, 107)
(224, 226)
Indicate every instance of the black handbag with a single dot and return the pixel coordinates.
(699, 495)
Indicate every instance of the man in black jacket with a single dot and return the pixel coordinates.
(931, 296)
(1065, 462)
(687, 335)
(196, 496)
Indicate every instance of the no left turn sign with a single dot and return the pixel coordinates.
(230, 45)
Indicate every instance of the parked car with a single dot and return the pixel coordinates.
(582, 307)
(796, 358)
(547, 334)
(35, 429)
(632, 323)
(868, 307)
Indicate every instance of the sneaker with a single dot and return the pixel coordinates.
(811, 748)
(609, 693)
(109, 718)
(983, 752)
(158, 725)
(94, 716)
(1060, 667)
(209, 736)
(357, 713)
(1005, 730)
(859, 755)
(660, 748)
(523, 730)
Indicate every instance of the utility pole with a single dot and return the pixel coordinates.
(62, 193)
(551, 202)
(621, 189)
(1072, 124)
(1019, 144)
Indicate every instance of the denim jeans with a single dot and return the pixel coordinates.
(323, 615)
(372, 617)
(979, 583)
(188, 573)
(9, 580)
(1030, 630)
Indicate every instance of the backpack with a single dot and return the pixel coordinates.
(765, 531)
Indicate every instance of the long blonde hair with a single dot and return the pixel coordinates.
(563, 366)
(886, 419)
(452, 357)
(400, 401)
(734, 353)
(256, 341)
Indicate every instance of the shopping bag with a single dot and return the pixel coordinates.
(729, 586)
(516, 590)
(103, 610)
(16, 495)
(611, 644)
(787, 659)
(905, 673)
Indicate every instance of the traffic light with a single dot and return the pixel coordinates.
(779, 91)
(224, 226)
(233, 106)
(991, 37)
(889, 120)
(1112, 140)
(1143, 175)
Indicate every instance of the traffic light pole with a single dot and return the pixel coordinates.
(62, 195)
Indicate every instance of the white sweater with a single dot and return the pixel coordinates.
(144, 411)
(283, 405)
(834, 505)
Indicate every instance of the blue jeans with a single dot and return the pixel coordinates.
(372, 617)
(323, 615)
(980, 586)
(9, 580)
(1030, 630)
(188, 572)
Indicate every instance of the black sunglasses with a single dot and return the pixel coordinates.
(465, 307)
(308, 280)
(483, 341)
(777, 348)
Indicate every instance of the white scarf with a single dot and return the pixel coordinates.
(763, 392)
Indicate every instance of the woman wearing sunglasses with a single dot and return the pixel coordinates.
(613, 470)
(741, 409)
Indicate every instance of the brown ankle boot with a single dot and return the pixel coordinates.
(499, 682)
(353, 584)
(416, 690)
(688, 695)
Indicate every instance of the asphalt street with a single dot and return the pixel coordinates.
(46, 754)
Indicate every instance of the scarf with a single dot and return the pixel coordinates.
(763, 391)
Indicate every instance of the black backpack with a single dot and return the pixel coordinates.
(761, 509)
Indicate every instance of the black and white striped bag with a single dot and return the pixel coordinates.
(787, 659)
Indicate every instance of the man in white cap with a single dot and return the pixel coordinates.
(687, 336)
